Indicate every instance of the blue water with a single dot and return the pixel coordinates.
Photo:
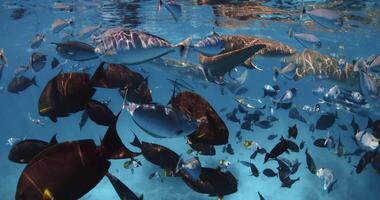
(197, 21)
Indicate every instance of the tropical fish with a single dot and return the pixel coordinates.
(310, 163)
(161, 121)
(37, 61)
(305, 39)
(21, 83)
(59, 24)
(75, 50)
(37, 40)
(125, 46)
(325, 121)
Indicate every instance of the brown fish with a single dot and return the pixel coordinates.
(99, 113)
(211, 129)
(25, 150)
(119, 76)
(213, 182)
(64, 94)
(203, 149)
(20, 83)
(37, 61)
(158, 155)
(71, 169)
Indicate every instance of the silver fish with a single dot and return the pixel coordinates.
(306, 39)
(88, 31)
(287, 97)
(59, 24)
(284, 72)
(191, 167)
(367, 85)
(333, 92)
(37, 40)
(326, 18)
(125, 46)
(172, 6)
(160, 121)
(3, 58)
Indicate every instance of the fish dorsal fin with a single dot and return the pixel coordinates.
(112, 147)
(173, 94)
(98, 78)
(53, 140)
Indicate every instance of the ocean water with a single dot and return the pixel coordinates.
(358, 38)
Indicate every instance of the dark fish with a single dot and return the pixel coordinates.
(254, 170)
(310, 163)
(203, 149)
(54, 63)
(293, 131)
(88, 164)
(302, 145)
(375, 126)
(271, 137)
(75, 50)
(38, 61)
(242, 109)
(343, 127)
(364, 161)
(271, 91)
(293, 113)
(246, 125)
(254, 117)
(124, 79)
(211, 130)
(292, 146)
(302, 119)
(241, 91)
(340, 148)
(277, 150)
(158, 155)
(25, 150)
(64, 94)
(213, 182)
(269, 172)
(321, 142)
(254, 154)
(18, 13)
(228, 148)
(232, 117)
(264, 124)
(99, 113)
(20, 83)
(376, 162)
(121, 189)
(260, 196)
(325, 121)
(83, 119)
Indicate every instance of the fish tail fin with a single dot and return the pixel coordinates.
(266, 158)
(98, 78)
(141, 197)
(290, 32)
(112, 147)
(275, 73)
(53, 140)
(136, 142)
(184, 47)
(34, 81)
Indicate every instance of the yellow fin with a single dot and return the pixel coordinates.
(47, 195)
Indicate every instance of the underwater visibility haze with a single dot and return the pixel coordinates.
(189, 99)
